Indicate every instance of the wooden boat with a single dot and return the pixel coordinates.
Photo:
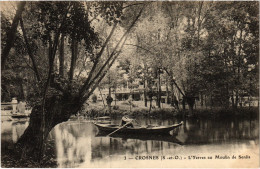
(108, 128)
(20, 115)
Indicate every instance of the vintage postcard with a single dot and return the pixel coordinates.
(130, 84)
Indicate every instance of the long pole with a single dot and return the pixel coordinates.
(119, 128)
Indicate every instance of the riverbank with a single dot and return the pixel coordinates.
(138, 109)
(11, 159)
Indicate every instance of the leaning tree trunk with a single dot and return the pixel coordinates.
(11, 34)
(58, 109)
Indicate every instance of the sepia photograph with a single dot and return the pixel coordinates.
(129, 84)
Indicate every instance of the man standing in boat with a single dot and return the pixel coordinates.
(127, 121)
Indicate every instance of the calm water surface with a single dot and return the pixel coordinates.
(77, 143)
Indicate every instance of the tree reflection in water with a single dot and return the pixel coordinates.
(73, 144)
(11, 131)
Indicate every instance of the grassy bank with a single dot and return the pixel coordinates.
(138, 109)
(11, 159)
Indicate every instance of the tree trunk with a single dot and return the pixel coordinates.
(190, 102)
(151, 101)
(206, 103)
(183, 103)
(11, 34)
(236, 101)
(145, 83)
(167, 92)
(201, 99)
(115, 95)
(109, 94)
(74, 53)
(232, 100)
(249, 101)
(211, 102)
(175, 102)
(61, 57)
(21, 91)
(58, 109)
(190, 109)
(145, 94)
(159, 90)
(172, 95)
(102, 97)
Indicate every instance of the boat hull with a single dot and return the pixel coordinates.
(19, 116)
(136, 130)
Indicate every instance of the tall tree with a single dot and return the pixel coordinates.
(59, 98)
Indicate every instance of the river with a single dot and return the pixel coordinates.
(76, 143)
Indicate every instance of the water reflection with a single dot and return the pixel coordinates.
(11, 131)
(203, 131)
(78, 144)
(73, 143)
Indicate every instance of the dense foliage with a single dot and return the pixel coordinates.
(206, 49)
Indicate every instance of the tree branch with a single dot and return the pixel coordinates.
(97, 60)
(27, 63)
(132, 5)
(29, 50)
(83, 67)
(164, 68)
(11, 33)
(147, 50)
(114, 51)
(174, 82)
(104, 73)
(61, 56)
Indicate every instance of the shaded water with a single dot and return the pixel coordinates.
(76, 143)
